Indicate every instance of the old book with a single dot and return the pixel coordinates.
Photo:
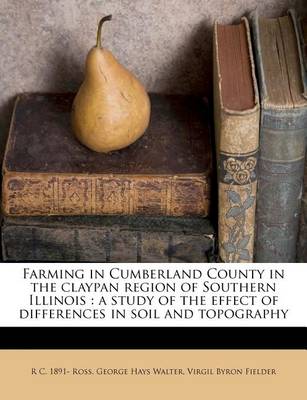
(302, 242)
(302, 27)
(282, 137)
(46, 171)
(107, 239)
(237, 138)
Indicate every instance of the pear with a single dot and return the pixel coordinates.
(111, 109)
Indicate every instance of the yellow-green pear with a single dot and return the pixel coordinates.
(111, 109)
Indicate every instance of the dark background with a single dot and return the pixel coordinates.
(153, 338)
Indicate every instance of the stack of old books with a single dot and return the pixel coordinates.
(148, 202)
(260, 192)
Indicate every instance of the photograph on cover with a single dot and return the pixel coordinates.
(154, 199)
(152, 132)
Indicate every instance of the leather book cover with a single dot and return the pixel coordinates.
(302, 33)
(282, 137)
(107, 239)
(302, 242)
(46, 171)
(237, 137)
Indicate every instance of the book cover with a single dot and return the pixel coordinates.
(302, 240)
(107, 239)
(282, 137)
(47, 172)
(301, 245)
(76, 327)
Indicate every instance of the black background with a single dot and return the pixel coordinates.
(153, 338)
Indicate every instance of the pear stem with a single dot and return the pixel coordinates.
(101, 22)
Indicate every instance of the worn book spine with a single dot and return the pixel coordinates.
(237, 138)
(280, 179)
(302, 30)
(302, 242)
(280, 185)
(107, 239)
(64, 194)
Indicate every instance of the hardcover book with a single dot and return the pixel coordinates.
(237, 138)
(302, 242)
(46, 171)
(282, 137)
(303, 36)
(107, 239)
